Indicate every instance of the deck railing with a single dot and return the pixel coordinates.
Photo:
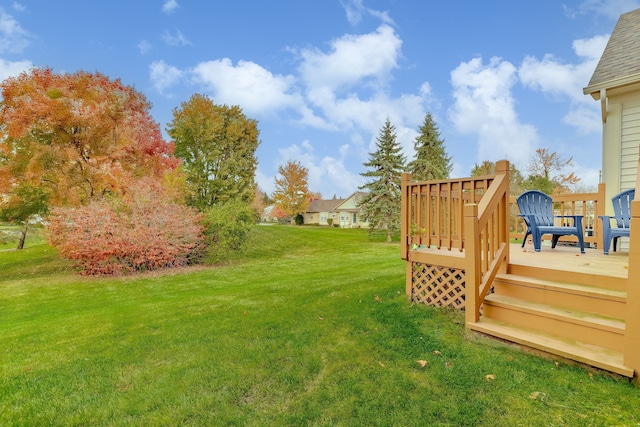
(433, 211)
(487, 236)
(469, 218)
(588, 205)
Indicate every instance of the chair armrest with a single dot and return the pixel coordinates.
(577, 219)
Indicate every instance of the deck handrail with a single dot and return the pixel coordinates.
(432, 212)
(487, 235)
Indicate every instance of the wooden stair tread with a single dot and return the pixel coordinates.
(574, 316)
(584, 353)
(573, 288)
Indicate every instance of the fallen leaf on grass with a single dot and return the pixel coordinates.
(489, 377)
(422, 363)
(590, 376)
(557, 365)
(448, 365)
(377, 298)
(321, 318)
(381, 364)
(538, 395)
(437, 353)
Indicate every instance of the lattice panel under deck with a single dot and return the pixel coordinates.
(437, 286)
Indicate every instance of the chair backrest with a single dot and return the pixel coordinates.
(534, 202)
(622, 207)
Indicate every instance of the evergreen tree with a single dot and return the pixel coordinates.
(431, 161)
(381, 205)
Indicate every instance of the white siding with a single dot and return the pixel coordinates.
(630, 140)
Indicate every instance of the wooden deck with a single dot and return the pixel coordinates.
(576, 302)
(562, 258)
(569, 258)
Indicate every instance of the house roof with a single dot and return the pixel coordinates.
(357, 196)
(620, 61)
(324, 205)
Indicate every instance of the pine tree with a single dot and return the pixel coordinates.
(431, 161)
(381, 206)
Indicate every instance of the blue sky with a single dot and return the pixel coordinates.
(501, 78)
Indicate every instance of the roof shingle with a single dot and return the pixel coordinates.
(621, 56)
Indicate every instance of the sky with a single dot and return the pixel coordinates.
(500, 78)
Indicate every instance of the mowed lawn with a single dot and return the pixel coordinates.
(308, 326)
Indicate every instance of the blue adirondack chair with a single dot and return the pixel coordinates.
(536, 208)
(622, 215)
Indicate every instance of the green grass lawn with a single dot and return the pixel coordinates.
(307, 326)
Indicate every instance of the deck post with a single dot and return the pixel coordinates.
(601, 208)
(473, 272)
(632, 327)
(405, 211)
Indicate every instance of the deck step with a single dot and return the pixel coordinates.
(589, 354)
(602, 301)
(587, 327)
(617, 283)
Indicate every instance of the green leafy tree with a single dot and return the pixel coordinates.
(431, 161)
(227, 228)
(516, 180)
(217, 145)
(22, 205)
(292, 189)
(381, 204)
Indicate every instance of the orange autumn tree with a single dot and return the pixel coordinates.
(112, 184)
(292, 190)
(77, 136)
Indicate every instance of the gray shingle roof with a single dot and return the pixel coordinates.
(324, 205)
(621, 57)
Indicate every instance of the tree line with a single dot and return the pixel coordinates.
(82, 153)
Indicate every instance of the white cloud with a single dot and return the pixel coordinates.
(348, 85)
(248, 85)
(352, 59)
(176, 39)
(484, 106)
(13, 38)
(355, 9)
(163, 76)
(144, 46)
(566, 81)
(12, 69)
(611, 9)
(18, 7)
(170, 6)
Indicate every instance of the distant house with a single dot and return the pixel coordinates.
(350, 215)
(320, 212)
(616, 84)
(344, 213)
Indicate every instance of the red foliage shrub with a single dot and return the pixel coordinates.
(140, 231)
